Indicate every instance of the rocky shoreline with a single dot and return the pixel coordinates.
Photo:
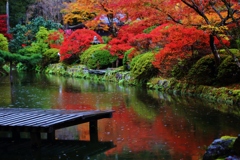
(226, 148)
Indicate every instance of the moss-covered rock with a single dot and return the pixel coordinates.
(228, 71)
(221, 148)
(203, 72)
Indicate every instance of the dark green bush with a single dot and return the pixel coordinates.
(86, 55)
(203, 72)
(142, 68)
(228, 71)
(26, 34)
(100, 59)
(126, 61)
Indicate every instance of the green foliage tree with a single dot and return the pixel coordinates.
(41, 44)
(18, 11)
(24, 35)
(3, 43)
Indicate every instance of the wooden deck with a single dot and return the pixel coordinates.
(36, 121)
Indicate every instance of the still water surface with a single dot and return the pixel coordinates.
(146, 125)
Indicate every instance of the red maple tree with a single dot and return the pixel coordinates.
(3, 26)
(178, 42)
(77, 42)
(55, 39)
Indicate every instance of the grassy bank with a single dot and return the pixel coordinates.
(225, 95)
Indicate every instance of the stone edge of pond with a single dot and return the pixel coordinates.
(221, 95)
(226, 147)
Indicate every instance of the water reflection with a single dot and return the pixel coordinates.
(146, 124)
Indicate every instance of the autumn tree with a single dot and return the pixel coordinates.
(216, 17)
(125, 40)
(55, 38)
(74, 44)
(94, 14)
(3, 26)
(178, 43)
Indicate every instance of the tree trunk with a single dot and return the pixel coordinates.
(10, 74)
(214, 50)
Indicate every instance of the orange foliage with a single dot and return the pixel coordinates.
(90, 13)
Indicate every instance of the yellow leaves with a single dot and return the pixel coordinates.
(220, 29)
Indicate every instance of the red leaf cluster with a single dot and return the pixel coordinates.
(77, 42)
(178, 42)
(55, 39)
(3, 26)
(142, 42)
(125, 39)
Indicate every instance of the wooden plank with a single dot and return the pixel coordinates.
(31, 122)
(37, 120)
(19, 118)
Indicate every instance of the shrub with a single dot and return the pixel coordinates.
(228, 71)
(41, 44)
(24, 35)
(126, 60)
(86, 55)
(50, 56)
(100, 59)
(3, 43)
(203, 71)
(142, 67)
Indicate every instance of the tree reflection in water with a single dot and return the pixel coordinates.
(145, 125)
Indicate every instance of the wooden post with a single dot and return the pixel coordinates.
(15, 135)
(51, 136)
(35, 139)
(93, 129)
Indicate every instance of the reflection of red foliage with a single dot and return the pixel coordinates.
(132, 133)
(135, 135)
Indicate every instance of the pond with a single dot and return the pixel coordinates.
(146, 124)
